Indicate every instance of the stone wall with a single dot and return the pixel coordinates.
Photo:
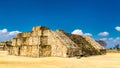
(32, 43)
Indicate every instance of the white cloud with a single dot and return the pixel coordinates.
(111, 42)
(77, 32)
(117, 39)
(110, 38)
(80, 32)
(3, 31)
(7, 35)
(104, 39)
(88, 34)
(117, 28)
(103, 34)
(14, 32)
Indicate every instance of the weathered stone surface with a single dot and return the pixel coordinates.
(5, 45)
(41, 41)
(88, 45)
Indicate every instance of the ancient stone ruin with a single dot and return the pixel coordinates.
(4, 46)
(42, 41)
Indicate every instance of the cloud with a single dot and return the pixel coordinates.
(88, 34)
(77, 32)
(3, 31)
(7, 35)
(117, 28)
(117, 39)
(14, 32)
(80, 32)
(104, 39)
(111, 42)
(103, 34)
(110, 38)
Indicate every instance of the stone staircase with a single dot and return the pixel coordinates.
(73, 48)
(91, 41)
(64, 39)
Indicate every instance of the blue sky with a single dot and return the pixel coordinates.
(96, 17)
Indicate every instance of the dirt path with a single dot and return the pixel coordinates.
(111, 60)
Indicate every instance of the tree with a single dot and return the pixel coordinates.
(101, 42)
(116, 46)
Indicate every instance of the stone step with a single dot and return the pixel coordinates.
(64, 39)
(93, 42)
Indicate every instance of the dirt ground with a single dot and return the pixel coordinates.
(110, 60)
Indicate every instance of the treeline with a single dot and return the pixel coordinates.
(116, 47)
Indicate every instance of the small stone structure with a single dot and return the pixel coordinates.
(42, 41)
(4, 46)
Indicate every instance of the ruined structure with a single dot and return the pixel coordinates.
(42, 41)
(4, 46)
